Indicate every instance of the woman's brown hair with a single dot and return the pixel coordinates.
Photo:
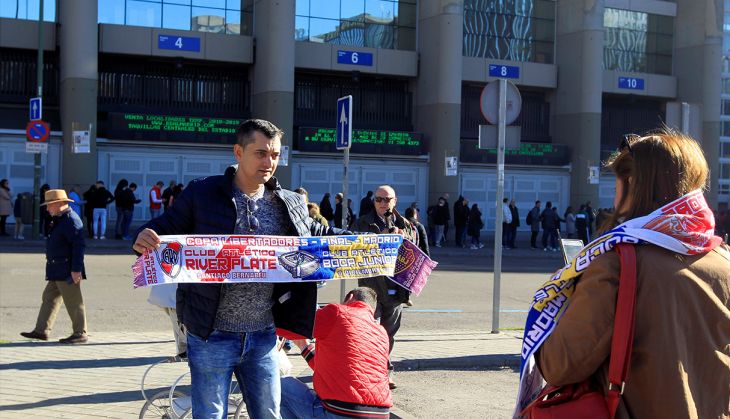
(663, 167)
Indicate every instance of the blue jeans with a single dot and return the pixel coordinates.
(128, 216)
(298, 401)
(551, 234)
(154, 213)
(251, 356)
(120, 221)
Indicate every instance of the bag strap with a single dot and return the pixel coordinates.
(623, 328)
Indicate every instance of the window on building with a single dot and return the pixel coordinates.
(725, 129)
(637, 42)
(28, 9)
(725, 149)
(519, 30)
(725, 109)
(725, 171)
(365, 23)
(217, 16)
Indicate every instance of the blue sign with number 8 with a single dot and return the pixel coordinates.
(504, 71)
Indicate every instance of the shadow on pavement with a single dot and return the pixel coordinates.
(81, 363)
(459, 362)
(89, 399)
(38, 343)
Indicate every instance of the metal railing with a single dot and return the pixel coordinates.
(19, 76)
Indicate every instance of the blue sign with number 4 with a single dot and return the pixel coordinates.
(354, 58)
(178, 43)
(504, 71)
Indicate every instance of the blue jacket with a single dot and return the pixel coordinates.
(65, 247)
(207, 206)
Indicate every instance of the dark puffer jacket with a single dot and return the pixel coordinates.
(207, 206)
(65, 247)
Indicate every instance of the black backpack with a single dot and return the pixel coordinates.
(528, 220)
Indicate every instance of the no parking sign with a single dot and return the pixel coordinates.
(37, 133)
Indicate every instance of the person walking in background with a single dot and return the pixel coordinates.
(315, 215)
(45, 215)
(514, 224)
(558, 220)
(88, 209)
(168, 193)
(18, 215)
(156, 200)
(325, 208)
(581, 224)
(118, 207)
(461, 216)
(475, 226)
(77, 203)
(533, 219)
(506, 221)
(569, 222)
(128, 199)
(64, 271)
(422, 237)
(431, 226)
(448, 216)
(440, 217)
(591, 218)
(414, 205)
(338, 210)
(350, 213)
(366, 204)
(100, 200)
(549, 221)
(6, 205)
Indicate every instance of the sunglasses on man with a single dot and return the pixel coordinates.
(386, 199)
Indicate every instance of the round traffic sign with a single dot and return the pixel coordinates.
(37, 131)
(489, 102)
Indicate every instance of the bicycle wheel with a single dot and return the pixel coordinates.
(188, 414)
(158, 406)
(241, 412)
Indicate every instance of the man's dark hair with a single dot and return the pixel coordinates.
(172, 182)
(132, 186)
(364, 294)
(548, 204)
(410, 212)
(505, 200)
(538, 202)
(246, 130)
(161, 183)
(100, 181)
(582, 206)
(370, 193)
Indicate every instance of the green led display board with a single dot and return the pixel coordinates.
(532, 150)
(172, 124)
(363, 141)
(540, 154)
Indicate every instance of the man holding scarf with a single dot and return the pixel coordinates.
(232, 327)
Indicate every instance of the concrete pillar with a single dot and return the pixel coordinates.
(698, 68)
(273, 75)
(78, 40)
(438, 97)
(579, 45)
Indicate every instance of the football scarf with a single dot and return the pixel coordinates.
(208, 259)
(685, 226)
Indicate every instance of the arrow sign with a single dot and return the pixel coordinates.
(35, 109)
(344, 123)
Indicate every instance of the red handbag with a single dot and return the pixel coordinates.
(582, 400)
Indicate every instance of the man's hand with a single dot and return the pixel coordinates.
(147, 240)
(76, 276)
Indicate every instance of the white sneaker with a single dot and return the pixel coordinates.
(102, 238)
(481, 245)
(438, 244)
(555, 249)
(21, 238)
(474, 247)
(544, 249)
(96, 237)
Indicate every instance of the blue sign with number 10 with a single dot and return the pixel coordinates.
(179, 43)
(630, 83)
(504, 71)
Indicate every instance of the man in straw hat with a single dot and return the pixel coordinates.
(64, 271)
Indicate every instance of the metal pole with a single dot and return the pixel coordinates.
(500, 191)
(345, 209)
(37, 156)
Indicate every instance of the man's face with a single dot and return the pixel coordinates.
(383, 196)
(538, 204)
(512, 202)
(258, 161)
(133, 189)
(173, 184)
(56, 208)
(99, 185)
(466, 202)
(446, 197)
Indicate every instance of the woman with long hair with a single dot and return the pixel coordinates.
(6, 207)
(474, 226)
(679, 364)
(569, 222)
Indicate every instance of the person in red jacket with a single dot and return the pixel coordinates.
(156, 200)
(350, 369)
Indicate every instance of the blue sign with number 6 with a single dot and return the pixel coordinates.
(354, 58)
(178, 43)
(504, 71)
